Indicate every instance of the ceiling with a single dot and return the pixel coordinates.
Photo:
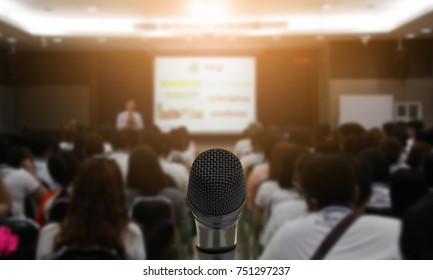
(206, 24)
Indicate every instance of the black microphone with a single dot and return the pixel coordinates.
(216, 195)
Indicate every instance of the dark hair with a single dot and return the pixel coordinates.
(17, 155)
(119, 140)
(416, 125)
(106, 131)
(300, 136)
(417, 155)
(97, 214)
(144, 172)
(378, 163)
(416, 242)
(353, 145)
(428, 170)
(62, 167)
(88, 145)
(329, 180)
(328, 147)
(392, 148)
(407, 187)
(351, 129)
(179, 139)
(373, 137)
(276, 164)
(41, 142)
(397, 130)
(154, 140)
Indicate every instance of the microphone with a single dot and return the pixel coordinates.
(216, 194)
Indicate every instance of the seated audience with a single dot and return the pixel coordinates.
(146, 178)
(329, 187)
(96, 217)
(42, 145)
(393, 149)
(19, 176)
(88, 145)
(120, 153)
(417, 154)
(62, 167)
(182, 150)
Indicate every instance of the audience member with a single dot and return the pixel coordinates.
(97, 216)
(42, 145)
(5, 200)
(329, 185)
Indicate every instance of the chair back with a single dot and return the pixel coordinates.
(21, 235)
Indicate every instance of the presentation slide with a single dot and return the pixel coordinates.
(205, 94)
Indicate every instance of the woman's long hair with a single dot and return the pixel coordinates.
(144, 172)
(97, 214)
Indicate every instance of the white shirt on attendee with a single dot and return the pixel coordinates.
(122, 120)
(177, 171)
(243, 147)
(398, 166)
(369, 237)
(251, 159)
(132, 241)
(270, 194)
(66, 146)
(185, 157)
(381, 196)
(281, 214)
(20, 185)
(122, 160)
(41, 166)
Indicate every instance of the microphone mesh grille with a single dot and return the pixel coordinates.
(216, 183)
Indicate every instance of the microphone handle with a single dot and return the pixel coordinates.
(209, 255)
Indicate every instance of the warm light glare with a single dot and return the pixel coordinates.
(96, 23)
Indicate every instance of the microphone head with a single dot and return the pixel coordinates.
(216, 184)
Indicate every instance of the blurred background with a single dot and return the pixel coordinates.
(86, 80)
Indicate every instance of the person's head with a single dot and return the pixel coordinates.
(378, 163)
(41, 143)
(290, 157)
(327, 181)
(373, 137)
(97, 213)
(70, 132)
(417, 155)
(350, 129)
(270, 141)
(428, 170)
(300, 136)
(392, 148)
(353, 145)
(154, 140)
(179, 139)
(106, 131)
(322, 132)
(414, 127)
(396, 130)
(416, 242)
(62, 167)
(407, 187)
(119, 140)
(276, 163)
(328, 147)
(17, 155)
(130, 105)
(144, 172)
(363, 181)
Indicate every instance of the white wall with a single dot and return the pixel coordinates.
(402, 90)
(7, 108)
(50, 107)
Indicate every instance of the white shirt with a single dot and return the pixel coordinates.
(381, 196)
(20, 184)
(270, 194)
(132, 241)
(122, 160)
(187, 156)
(41, 166)
(122, 120)
(177, 171)
(398, 166)
(66, 146)
(243, 147)
(281, 214)
(251, 159)
(369, 237)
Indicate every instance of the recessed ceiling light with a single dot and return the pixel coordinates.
(11, 40)
(426, 30)
(92, 9)
(327, 6)
(57, 40)
(410, 36)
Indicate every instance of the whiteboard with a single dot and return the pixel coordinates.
(368, 110)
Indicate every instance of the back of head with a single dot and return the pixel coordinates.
(62, 167)
(144, 171)
(353, 145)
(378, 163)
(154, 140)
(97, 214)
(351, 129)
(119, 140)
(407, 187)
(373, 137)
(17, 155)
(328, 180)
(93, 144)
(300, 136)
(392, 148)
(276, 162)
(106, 131)
(362, 179)
(41, 143)
(416, 242)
